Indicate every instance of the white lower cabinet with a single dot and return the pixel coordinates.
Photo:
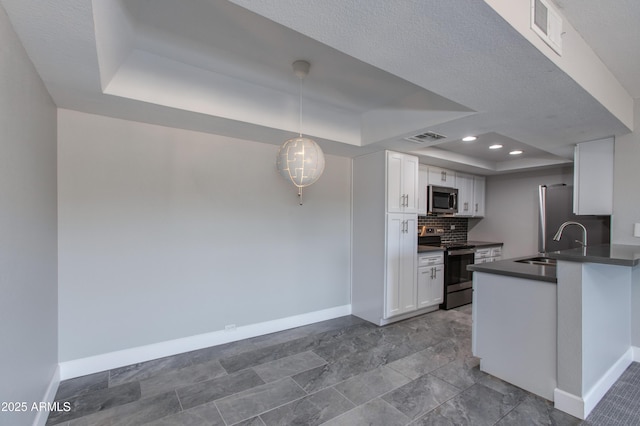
(402, 240)
(430, 279)
(487, 254)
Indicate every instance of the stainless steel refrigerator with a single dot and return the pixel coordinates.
(555, 208)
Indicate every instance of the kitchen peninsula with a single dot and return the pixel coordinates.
(566, 338)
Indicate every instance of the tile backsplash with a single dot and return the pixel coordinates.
(457, 234)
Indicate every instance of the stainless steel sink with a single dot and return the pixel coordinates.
(538, 260)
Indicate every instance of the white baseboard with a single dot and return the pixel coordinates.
(49, 396)
(569, 403)
(108, 361)
(636, 353)
(580, 407)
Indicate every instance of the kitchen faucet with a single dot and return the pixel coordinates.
(570, 222)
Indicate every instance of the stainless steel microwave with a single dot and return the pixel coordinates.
(442, 200)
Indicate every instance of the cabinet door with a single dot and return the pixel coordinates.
(437, 285)
(400, 292)
(410, 183)
(395, 233)
(430, 286)
(423, 179)
(442, 177)
(478, 196)
(395, 194)
(593, 177)
(425, 275)
(464, 183)
(408, 293)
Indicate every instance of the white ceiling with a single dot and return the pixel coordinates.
(380, 71)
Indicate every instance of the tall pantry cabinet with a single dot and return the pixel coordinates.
(385, 223)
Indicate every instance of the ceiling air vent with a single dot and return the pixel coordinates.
(547, 23)
(425, 137)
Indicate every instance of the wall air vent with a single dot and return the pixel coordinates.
(547, 24)
(425, 137)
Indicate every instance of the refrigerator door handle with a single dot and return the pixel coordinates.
(542, 228)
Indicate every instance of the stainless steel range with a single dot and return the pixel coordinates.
(458, 286)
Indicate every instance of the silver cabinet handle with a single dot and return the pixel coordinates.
(476, 207)
(407, 201)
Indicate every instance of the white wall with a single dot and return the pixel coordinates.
(167, 233)
(512, 209)
(28, 276)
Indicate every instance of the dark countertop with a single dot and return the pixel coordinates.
(511, 268)
(426, 249)
(609, 254)
(484, 243)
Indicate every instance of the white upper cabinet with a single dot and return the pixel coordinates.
(593, 178)
(423, 179)
(471, 189)
(466, 205)
(478, 196)
(402, 183)
(442, 177)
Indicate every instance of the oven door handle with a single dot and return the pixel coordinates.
(460, 252)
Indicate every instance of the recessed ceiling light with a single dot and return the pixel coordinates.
(495, 146)
(515, 152)
(469, 138)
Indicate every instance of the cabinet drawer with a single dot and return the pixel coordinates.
(430, 259)
(482, 253)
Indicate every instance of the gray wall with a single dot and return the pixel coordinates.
(626, 207)
(167, 233)
(626, 196)
(28, 271)
(512, 209)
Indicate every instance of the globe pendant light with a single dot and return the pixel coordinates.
(300, 159)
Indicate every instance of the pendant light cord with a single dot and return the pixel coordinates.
(300, 117)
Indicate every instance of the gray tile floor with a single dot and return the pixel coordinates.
(337, 372)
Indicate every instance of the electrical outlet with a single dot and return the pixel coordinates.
(453, 227)
(230, 327)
